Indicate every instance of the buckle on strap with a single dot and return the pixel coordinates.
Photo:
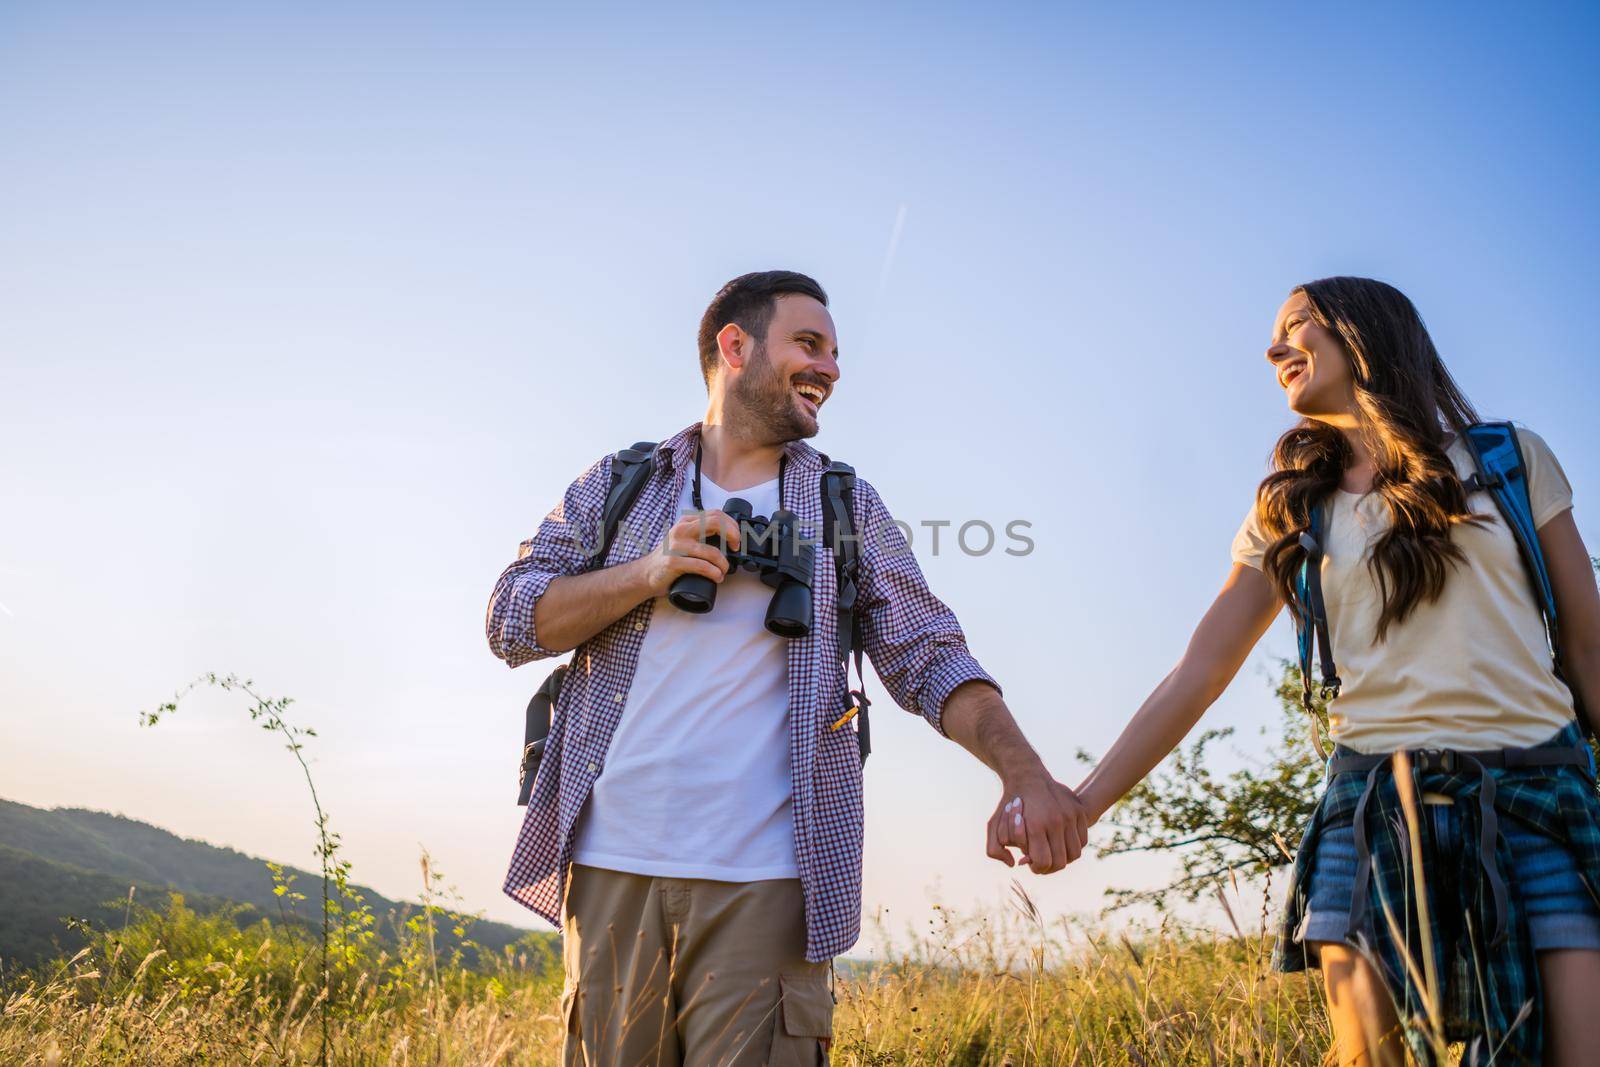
(1436, 759)
(1477, 482)
(845, 596)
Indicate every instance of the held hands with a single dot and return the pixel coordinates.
(684, 551)
(1042, 818)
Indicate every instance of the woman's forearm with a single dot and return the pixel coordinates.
(1230, 629)
(1163, 720)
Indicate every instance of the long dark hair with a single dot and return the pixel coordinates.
(1406, 405)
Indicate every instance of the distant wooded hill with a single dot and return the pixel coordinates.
(71, 863)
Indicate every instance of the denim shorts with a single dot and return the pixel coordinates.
(1561, 913)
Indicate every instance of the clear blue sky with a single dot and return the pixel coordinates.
(308, 312)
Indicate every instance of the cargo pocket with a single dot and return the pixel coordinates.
(803, 1029)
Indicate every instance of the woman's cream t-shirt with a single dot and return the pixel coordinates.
(1470, 670)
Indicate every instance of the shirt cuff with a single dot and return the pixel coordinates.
(950, 670)
(526, 590)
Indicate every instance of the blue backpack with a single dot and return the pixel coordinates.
(1503, 473)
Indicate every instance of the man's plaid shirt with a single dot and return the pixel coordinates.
(913, 639)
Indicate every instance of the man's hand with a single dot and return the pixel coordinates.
(1050, 824)
(575, 607)
(684, 551)
(1044, 819)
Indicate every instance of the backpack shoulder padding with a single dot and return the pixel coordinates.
(1502, 472)
(630, 469)
(838, 511)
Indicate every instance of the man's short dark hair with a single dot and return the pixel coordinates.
(749, 301)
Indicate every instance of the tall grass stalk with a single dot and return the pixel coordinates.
(269, 714)
(1405, 786)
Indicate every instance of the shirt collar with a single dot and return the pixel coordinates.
(677, 451)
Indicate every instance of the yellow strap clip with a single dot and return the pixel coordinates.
(846, 717)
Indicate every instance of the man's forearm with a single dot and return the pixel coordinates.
(975, 716)
(576, 607)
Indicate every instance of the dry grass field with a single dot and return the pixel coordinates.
(175, 987)
(334, 982)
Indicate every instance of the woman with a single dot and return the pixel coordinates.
(1440, 643)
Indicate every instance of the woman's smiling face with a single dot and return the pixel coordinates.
(1310, 363)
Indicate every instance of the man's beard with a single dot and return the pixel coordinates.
(767, 410)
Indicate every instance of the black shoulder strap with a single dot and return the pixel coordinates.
(536, 730)
(1315, 542)
(839, 534)
(1311, 620)
(630, 469)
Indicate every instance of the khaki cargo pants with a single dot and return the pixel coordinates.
(663, 972)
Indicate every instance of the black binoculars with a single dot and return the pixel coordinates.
(770, 547)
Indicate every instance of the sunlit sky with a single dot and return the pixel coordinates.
(309, 312)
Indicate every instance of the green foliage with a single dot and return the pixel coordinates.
(1244, 822)
(39, 898)
(351, 958)
(159, 949)
(344, 909)
(69, 862)
(170, 984)
(175, 947)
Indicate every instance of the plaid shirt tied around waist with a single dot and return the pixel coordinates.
(1486, 965)
(912, 638)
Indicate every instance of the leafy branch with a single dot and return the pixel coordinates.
(268, 713)
(1244, 822)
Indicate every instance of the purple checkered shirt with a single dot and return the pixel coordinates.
(913, 639)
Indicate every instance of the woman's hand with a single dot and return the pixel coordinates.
(1051, 839)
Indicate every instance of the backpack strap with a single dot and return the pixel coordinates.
(1503, 474)
(1311, 619)
(839, 534)
(536, 730)
(630, 469)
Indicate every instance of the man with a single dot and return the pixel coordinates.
(696, 823)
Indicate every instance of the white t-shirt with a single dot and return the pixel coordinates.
(1469, 670)
(696, 783)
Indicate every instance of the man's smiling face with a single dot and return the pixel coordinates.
(783, 385)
